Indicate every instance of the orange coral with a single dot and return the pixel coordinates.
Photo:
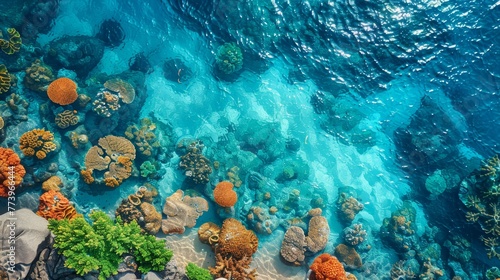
(62, 91)
(224, 194)
(54, 205)
(37, 142)
(124, 89)
(11, 171)
(327, 267)
(236, 241)
(87, 176)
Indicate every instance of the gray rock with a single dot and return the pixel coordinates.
(25, 235)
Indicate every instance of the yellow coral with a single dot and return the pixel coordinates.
(4, 79)
(87, 176)
(37, 142)
(12, 45)
(38, 76)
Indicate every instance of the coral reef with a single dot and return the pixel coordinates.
(182, 211)
(54, 205)
(123, 88)
(399, 230)
(144, 138)
(67, 118)
(229, 58)
(317, 235)
(53, 183)
(327, 267)
(4, 79)
(37, 142)
(196, 166)
(293, 246)
(13, 44)
(227, 267)
(113, 155)
(106, 103)
(14, 110)
(348, 255)
(100, 245)
(11, 171)
(38, 76)
(62, 91)
(354, 235)
(224, 195)
(148, 169)
(208, 233)
(348, 207)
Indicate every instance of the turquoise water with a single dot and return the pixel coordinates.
(386, 101)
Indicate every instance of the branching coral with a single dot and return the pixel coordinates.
(11, 171)
(66, 118)
(54, 205)
(327, 267)
(13, 44)
(37, 142)
(233, 268)
(62, 91)
(354, 234)
(38, 76)
(194, 272)
(106, 103)
(182, 211)
(114, 156)
(224, 195)
(101, 245)
(4, 79)
(124, 89)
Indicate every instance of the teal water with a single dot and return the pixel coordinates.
(373, 99)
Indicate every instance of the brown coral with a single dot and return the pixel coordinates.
(4, 79)
(62, 91)
(293, 246)
(152, 218)
(231, 268)
(208, 233)
(348, 255)
(66, 118)
(182, 211)
(38, 76)
(114, 155)
(11, 171)
(124, 89)
(327, 267)
(236, 241)
(318, 233)
(197, 167)
(224, 195)
(53, 183)
(54, 205)
(349, 207)
(144, 138)
(37, 142)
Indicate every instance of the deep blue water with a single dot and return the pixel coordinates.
(379, 95)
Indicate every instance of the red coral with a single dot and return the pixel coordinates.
(10, 164)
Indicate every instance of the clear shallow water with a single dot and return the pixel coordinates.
(379, 58)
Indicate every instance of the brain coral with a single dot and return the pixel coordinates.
(224, 194)
(124, 89)
(327, 267)
(37, 142)
(12, 45)
(11, 171)
(67, 118)
(54, 205)
(62, 91)
(114, 156)
(236, 241)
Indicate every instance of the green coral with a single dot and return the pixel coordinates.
(195, 272)
(99, 246)
(148, 169)
(229, 58)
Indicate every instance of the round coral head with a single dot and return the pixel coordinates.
(224, 194)
(327, 267)
(62, 91)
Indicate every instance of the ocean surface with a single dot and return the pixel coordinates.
(392, 103)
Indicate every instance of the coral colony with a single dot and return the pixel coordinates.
(266, 148)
